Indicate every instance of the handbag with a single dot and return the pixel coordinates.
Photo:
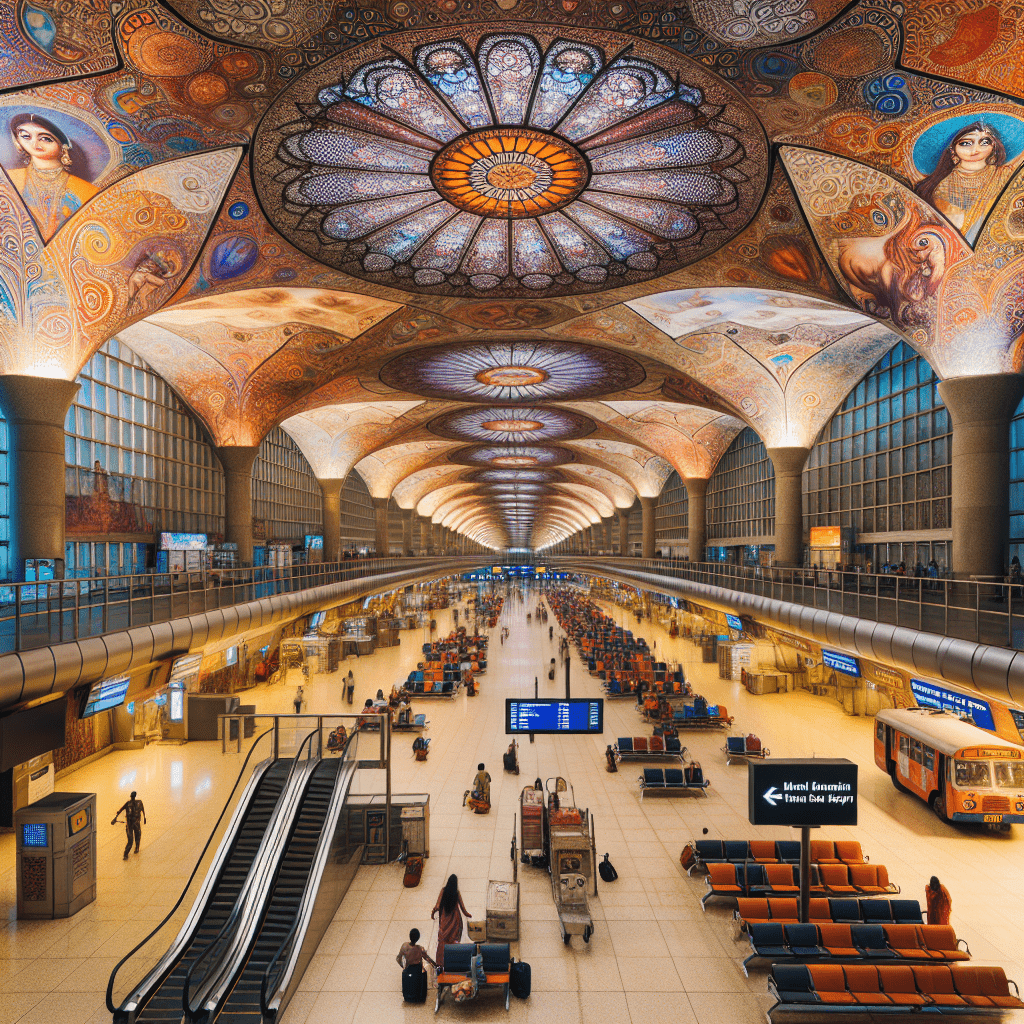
(606, 870)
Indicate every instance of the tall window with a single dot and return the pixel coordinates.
(672, 515)
(286, 496)
(357, 519)
(741, 494)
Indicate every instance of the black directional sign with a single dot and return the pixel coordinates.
(802, 792)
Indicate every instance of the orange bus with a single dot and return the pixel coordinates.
(962, 772)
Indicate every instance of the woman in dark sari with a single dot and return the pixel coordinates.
(449, 923)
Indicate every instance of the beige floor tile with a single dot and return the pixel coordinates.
(649, 974)
(650, 1007)
(604, 1008)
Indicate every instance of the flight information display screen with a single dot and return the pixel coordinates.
(566, 717)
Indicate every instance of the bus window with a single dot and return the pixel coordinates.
(903, 744)
(915, 751)
(880, 730)
(1009, 775)
(929, 756)
(972, 774)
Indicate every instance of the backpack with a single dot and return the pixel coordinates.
(687, 858)
(694, 774)
(519, 979)
(606, 870)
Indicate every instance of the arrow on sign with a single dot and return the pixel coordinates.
(773, 796)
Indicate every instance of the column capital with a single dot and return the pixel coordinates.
(331, 487)
(237, 458)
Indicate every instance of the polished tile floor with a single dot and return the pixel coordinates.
(654, 956)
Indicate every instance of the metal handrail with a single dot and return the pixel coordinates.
(113, 974)
(232, 918)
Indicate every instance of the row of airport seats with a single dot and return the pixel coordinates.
(830, 910)
(857, 942)
(427, 688)
(673, 780)
(496, 960)
(750, 879)
(894, 988)
(648, 748)
(767, 851)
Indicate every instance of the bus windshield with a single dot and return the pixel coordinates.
(972, 774)
(1009, 774)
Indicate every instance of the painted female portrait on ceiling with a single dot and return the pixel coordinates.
(52, 171)
(967, 162)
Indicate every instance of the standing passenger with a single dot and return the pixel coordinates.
(939, 903)
(449, 920)
(134, 810)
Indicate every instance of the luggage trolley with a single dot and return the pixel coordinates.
(571, 862)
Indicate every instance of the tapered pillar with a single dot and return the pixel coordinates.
(648, 507)
(36, 408)
(696, 512)
(381, 542)
(407, 517)
(789, 508)
(623, 515)
(980, 409)
(425, 540)
(238, 463)
(435, 534)
(330, 491)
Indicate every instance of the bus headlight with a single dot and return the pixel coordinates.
(1020, 806)
(969, 805)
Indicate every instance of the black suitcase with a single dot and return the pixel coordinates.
(414, 984)
(519, 979)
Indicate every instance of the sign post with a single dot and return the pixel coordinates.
(803, 793)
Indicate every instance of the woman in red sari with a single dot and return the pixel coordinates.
(449, 923)
(939, 903)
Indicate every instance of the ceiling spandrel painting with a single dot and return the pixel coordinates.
(519, 164)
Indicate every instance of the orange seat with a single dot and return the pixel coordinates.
(819, 909)
(969, 985)
(863, 983)
(837, 939)
(783, 909)
(753, 911)
(823, 851)
(780, 877)
(870, 878)
(849, 852)
(639, 743)
(722, 878)
(941, 940)
(899, 985)
(905, 940)
(830, 984)
(763, 851)
(936, 983)
(994, 986)
(835, 877)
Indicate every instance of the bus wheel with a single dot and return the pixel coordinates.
(938, 802)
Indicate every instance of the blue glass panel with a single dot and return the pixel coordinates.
(626, 88)
(531, 253)
(664, 219)
(443, 250)
(450, 69)
(679, 186)
(392, 88)
(349, 186)
(510, 65)
(400, 240)
(354, 149)
(569, 67)
(667, 149)
(620, 239)
(358, 219)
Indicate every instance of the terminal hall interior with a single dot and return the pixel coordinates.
(514, 506)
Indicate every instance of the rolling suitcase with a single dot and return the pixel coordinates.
(519, 979)
(414, 984)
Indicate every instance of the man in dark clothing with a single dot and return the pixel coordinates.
(135, 815)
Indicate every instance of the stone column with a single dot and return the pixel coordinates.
(407, 518)
(36, 408)
(435, 537)
(648, 507)
(789, 504)
(623, 514)
(696, 494)
(980, 409)
(380, 526)
(330, 490)
(238, 462)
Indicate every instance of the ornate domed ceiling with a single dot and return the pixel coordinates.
(509, 163)
(512, 425)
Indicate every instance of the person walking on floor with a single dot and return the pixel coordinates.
(939, 903)
(449, 910)
(297, 701)
(134, 818)
(350, 686)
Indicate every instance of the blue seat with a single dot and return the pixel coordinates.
(904, 911)
(788, 851)
(876, 912)
(802, 939)
(624, 743)
(496, 956)
(672, 745)
(654, 777)
(710, 851)
(792, 984)
(674, 777)
(420, 720)
(869, 939)
(458, 956)
(844, 911)
(737, 850)
(734, 744)
(768, 940)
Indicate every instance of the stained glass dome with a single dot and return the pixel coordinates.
(512, 425)
(510, 165)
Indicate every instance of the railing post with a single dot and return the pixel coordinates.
(977, 613)
(78, 610)
(1009, 615)
(60, 610)
(17, 617)
(105, 613)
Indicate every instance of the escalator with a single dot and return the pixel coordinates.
(243, 1003)
(163, 1002)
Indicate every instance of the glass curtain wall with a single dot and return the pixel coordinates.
(741, 503)
(672, 517)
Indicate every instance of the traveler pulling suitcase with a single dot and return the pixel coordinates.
(414, 984)
(519, 979)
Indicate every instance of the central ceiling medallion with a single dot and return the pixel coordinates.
(511, 426)
(515, 460)
(509, 172)
(509, 164)
(511, 376)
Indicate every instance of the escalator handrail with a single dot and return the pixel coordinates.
(264, 1009)
(232, 919)
(113, 974)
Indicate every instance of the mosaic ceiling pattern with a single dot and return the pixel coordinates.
(519, 253)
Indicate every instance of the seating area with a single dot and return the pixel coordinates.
(807, 943)
(420, 686)
(892, 988)
(731, 880)
(458, 959)
(693, 712)
(741, 749)
(673, 781)
(752, 910)
(767, 851)
(648, 748)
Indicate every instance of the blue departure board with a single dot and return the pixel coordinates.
(552, 716)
